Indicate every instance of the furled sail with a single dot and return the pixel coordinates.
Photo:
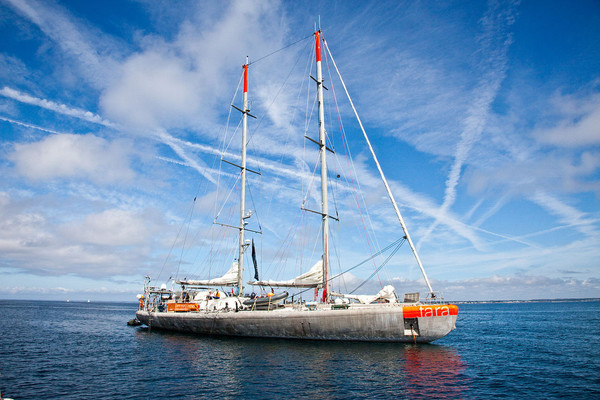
(229, 279)
(386, 295)
(254, 261)
(312, 278)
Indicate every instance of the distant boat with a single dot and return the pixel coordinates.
(379, 318)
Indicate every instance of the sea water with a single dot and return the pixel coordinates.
(60, 350)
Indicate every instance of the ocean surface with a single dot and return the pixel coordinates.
(55, 350)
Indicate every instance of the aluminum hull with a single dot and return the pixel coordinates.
(371, 323)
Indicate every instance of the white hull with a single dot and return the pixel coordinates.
(372, 323)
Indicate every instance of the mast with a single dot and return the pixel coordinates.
(241, 249)
(323, 151)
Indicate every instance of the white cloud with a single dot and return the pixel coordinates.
(102, 293)
(68, 156)
(520, 287)
(154, 89)
(580, 128)
(493, 287)
(113, 227)
(559, 173)
(20, 228)
(45, 236)
(179, 84)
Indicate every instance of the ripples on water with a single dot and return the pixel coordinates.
(85, 350)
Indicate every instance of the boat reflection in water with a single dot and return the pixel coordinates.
(320, 369)
(401, 371)
(434, 371)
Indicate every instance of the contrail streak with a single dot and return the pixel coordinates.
(52, 106)
(39, 128)
(494, 42)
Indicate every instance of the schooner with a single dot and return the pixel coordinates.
(382, 317)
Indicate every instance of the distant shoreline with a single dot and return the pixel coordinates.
(526, 301)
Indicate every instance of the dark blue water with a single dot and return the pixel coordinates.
(51, 350)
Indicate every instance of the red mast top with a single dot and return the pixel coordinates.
(246, 78)
(318, 35)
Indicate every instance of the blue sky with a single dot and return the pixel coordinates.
(485, 117)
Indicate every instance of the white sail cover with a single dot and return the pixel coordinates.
(312, 278)
(229, 279)
(387, 294)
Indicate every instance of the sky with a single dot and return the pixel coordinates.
(485, 116)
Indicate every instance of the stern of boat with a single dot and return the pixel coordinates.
(142, 316)
(428, 322)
